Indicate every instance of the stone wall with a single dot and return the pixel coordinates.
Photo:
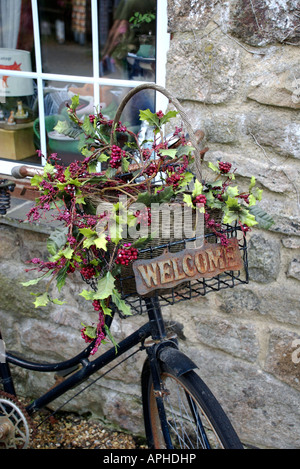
(234, 65)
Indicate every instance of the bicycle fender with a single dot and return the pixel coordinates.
(176, 360)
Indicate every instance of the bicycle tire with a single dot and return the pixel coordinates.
(209, 428)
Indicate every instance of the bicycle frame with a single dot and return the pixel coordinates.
(154, 328)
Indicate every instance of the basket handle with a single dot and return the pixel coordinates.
(179, 108)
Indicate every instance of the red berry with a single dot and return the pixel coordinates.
(224, 167)
(126, 255)
(199, 199)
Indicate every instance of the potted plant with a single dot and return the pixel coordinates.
(94, 241)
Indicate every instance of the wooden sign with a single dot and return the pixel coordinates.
(171, 269)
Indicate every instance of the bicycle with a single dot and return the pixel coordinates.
(179, 410)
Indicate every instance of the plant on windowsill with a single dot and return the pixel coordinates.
(94, 242)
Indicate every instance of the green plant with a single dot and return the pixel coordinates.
(94, 241)
(141, 18)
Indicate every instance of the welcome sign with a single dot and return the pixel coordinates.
(171, 269)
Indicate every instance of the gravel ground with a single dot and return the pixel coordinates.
(70, 431)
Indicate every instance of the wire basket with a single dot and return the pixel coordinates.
(191, 289)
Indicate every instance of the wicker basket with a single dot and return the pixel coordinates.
(162, 241)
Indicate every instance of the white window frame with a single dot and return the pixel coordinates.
(162, 45)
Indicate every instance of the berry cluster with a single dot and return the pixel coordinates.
(199, 199)
(144, 216)
(224, 167)
(116, 156)
(88, 272)
(151, 169)
(97, 306)
(126, 254)
(174, 179)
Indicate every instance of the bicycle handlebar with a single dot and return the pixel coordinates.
(20, 172)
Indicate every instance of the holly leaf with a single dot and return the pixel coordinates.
(101, 243)
(87, 295)
(41, 300)
(171, 152)
(187, 198)
(68, 252)
(120, 303)
(197, 189)
(213, 167)
(150, 117)
(105, 287)
(87, 232)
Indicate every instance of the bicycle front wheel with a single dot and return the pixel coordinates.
(195, 418)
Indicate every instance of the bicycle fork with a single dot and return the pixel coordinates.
(159, 393)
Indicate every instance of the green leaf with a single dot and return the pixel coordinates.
(115, 232)
(105, 287)
(120, 303)
(111, 338)
(150, 117)
(75, 102)
(101, 243)
(87, 232)
(68, 252)
(57, 240)
(198, 187)
(87, 295)
(58, 302)
(171, 152)
(48, 169)
(139, 243)
(41, 300)
(184, 150)
(252, 183)
(187, 199)
(125, 165)
(87, 243)
(61, 276)
(36, 180)
(105, 308)
(168, 116)
(213, 167)
(90, 331)
(264, 220)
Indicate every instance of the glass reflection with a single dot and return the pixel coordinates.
(127, 39)
(66, 36)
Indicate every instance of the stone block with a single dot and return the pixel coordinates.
(265, 22)
(264, 258)
(213, 78)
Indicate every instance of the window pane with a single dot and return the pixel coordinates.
(18, 108)
(111, 97)
(66, 37)
(127, 39)
(56, 96)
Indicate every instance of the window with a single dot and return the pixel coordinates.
(52, 50)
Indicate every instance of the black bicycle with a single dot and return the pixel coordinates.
(180, 412)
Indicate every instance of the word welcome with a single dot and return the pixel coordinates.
(171, 269)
